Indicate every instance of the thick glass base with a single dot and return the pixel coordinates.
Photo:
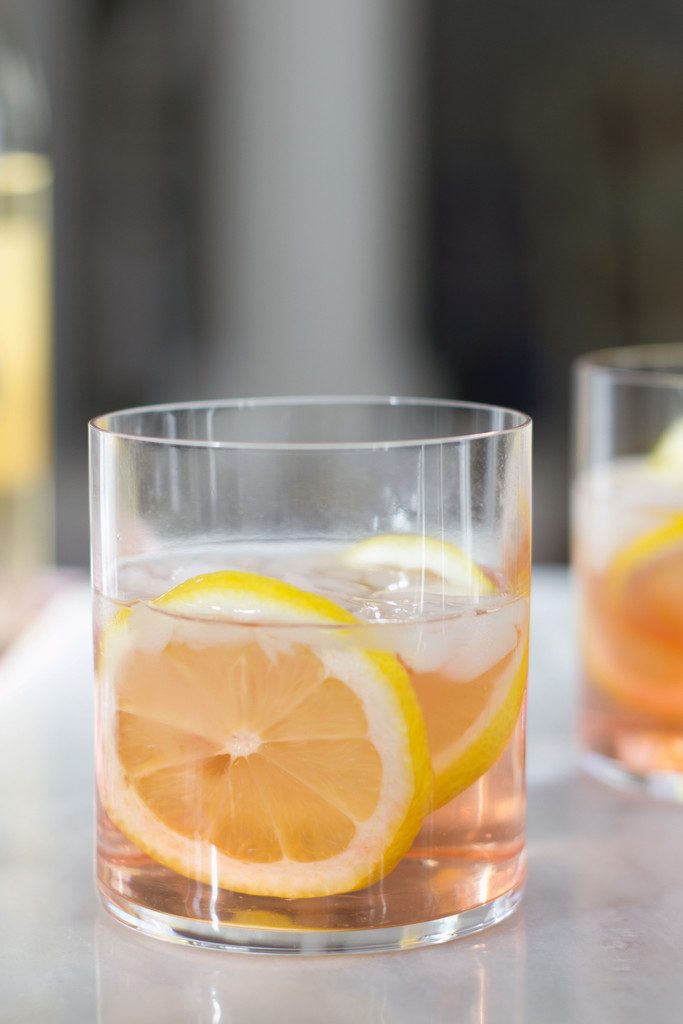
(664, 785)
(193, 932)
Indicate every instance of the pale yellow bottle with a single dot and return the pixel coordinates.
(26, 514)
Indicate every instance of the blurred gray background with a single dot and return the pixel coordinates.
(362, 196)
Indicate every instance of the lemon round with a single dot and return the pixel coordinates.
(667, 454)
(654, 545)
(469, 717)
(633, 627)
(415, 552)
(469, 724)
(248, 757)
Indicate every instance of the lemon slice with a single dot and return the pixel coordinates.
(252, 759)
(469, 674)
(414, 552)
(658, 549)
(633, 629)
(668, 452)
(470, 723)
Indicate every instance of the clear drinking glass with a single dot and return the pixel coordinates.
(311, 636)
(628, 555)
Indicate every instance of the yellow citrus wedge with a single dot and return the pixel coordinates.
(257, 759)
(469, 723)
(471, 701)
(414, 552)
(668, 452)
(633, 632)
(651, 561)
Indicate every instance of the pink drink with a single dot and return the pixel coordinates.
(466, 660)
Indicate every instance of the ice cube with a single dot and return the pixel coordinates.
(463, 646)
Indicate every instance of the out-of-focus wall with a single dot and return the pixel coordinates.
(253, 206)
(316, 198)
(357, 195)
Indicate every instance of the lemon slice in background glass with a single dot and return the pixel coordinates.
(668, 452)
(634, 651)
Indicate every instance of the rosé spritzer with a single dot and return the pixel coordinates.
(628, 554)
(307, 741)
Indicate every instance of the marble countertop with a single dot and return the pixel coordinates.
(598, 938)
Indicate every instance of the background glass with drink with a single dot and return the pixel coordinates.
(628, 554)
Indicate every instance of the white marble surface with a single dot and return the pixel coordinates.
(598, 939)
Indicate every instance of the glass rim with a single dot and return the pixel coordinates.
(98, 424)
(656, 364)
